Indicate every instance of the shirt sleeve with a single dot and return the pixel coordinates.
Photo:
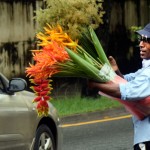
(137, 87)
(131, 76)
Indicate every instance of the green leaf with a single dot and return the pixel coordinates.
(98, 47)
(89, 69)
(88, 59)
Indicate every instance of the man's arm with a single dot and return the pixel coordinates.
(111, 89)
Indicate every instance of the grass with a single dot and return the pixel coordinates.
(67, 106)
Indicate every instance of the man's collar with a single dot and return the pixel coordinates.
(145, 63)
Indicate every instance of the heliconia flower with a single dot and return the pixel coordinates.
(43, 93)
(41, 87)
(48, 89)
(39, 81)
(36, 88)
(44, 85)
(46, 98)
(38, 98)
(42, 108)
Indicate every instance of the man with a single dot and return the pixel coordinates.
(137, 88)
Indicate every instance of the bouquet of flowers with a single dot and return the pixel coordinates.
(60, 56)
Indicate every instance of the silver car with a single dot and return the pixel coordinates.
(20, 126)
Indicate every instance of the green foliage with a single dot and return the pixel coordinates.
(73, 15)
(76, 105)
(134, 39)
(133, 29)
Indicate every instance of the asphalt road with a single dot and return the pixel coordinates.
(111, 130)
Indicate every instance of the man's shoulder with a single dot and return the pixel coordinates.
(142, 72)
(146, 71)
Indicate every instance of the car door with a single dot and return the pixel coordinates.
(13, 120)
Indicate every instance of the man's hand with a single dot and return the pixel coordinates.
(110, 88)
(113, 63)
(115, 66)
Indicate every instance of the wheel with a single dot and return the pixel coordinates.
(44, 139)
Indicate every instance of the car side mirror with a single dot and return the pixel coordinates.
(16, 85)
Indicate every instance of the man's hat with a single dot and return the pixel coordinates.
(145, 31)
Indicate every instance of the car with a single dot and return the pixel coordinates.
(20, 126)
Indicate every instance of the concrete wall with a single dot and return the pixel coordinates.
(17, 32)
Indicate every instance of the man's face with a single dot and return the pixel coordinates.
(145, 49)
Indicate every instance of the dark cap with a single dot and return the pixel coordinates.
(145, 31)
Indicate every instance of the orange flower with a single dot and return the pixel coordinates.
(55, 34)
(46, 61)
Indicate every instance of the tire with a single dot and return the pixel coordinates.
(44, 139)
